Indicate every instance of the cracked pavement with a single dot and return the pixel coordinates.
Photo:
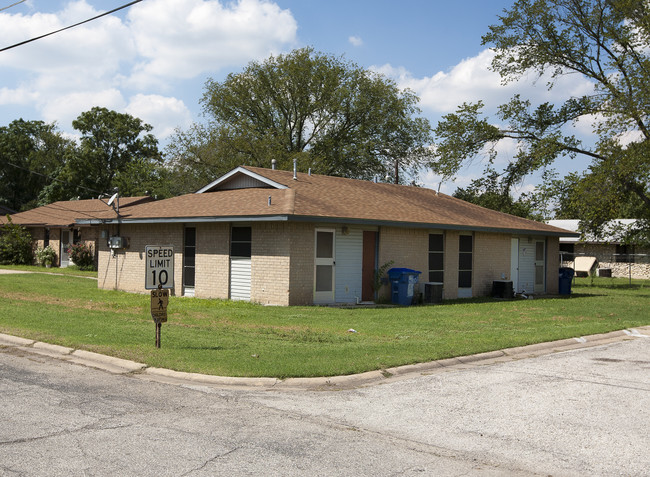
(577, 412)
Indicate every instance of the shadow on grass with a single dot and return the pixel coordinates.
(488, 299)
(617, 286)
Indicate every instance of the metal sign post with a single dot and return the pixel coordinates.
(159, 278)
(159, 302)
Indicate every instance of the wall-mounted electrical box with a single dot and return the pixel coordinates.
(117, 242)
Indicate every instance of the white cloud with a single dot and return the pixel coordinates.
(17, 96)
(355, 40)
(183, 39)
(434, 181)
(65, 108)
(96, 47)
(472, 80)
(165, 114)
(158, 43)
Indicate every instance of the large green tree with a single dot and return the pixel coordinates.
(330, 114)
(606, 42)
(488, 192)
(115, 150)
(30, 152)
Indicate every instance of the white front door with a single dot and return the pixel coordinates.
(514, 264)
(324, 266)
(540, 266)
(66, 240)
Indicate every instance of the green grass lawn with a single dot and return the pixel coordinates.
(72, 270)
(242, 339)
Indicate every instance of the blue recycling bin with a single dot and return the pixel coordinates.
(402, 285)
(566, 275)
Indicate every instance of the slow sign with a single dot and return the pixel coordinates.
(159, 302)
(159, 267)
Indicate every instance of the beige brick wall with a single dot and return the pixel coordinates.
(282, 262)
(491, 261)
(270, 263)
(302, 237)
(212, 276)
(491, 258)
(407, 248)
(125, 270)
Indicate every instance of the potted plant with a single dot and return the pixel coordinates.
(46, 256)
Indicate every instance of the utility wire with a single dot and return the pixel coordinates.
(12, 5)
(79, 186)
(71, 26)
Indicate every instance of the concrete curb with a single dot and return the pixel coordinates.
(109, 363)
(172, 375)
(123, 366)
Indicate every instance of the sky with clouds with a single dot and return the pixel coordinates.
(152, 59)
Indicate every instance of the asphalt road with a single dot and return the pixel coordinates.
(578, 412)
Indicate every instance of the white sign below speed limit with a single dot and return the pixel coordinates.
(159, 269)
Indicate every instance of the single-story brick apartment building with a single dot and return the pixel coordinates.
(287, 238)
(54, 224)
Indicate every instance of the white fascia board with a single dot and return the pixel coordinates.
(241, 170)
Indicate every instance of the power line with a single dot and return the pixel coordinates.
(68, 27)
(79, 186)
(12, 5)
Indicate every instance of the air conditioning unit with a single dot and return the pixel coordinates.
(117, 242)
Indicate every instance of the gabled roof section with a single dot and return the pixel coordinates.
(241, 178)
(276, 196)
(64, 213)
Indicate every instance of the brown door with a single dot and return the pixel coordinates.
(368, 266)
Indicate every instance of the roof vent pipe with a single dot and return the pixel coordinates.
(310, 171)
(269, 201)
(273, 163)
(374, 179)
(295, 169)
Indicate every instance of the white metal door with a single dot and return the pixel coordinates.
(240, 262)
(514, 263)
(526, 278)
(349, 252)
(240, 278)
(540, 266)
(324, 263)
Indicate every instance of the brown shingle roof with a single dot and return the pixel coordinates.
(64, 213)
(317, 197)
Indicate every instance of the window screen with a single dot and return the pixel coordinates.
(436, 257)
(189, 257)
(240, 243)
(465, 247)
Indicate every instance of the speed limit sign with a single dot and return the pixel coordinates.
(159, 269)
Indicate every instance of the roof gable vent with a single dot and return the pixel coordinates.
(241, 178)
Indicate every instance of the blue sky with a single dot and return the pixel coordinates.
(152, 59)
